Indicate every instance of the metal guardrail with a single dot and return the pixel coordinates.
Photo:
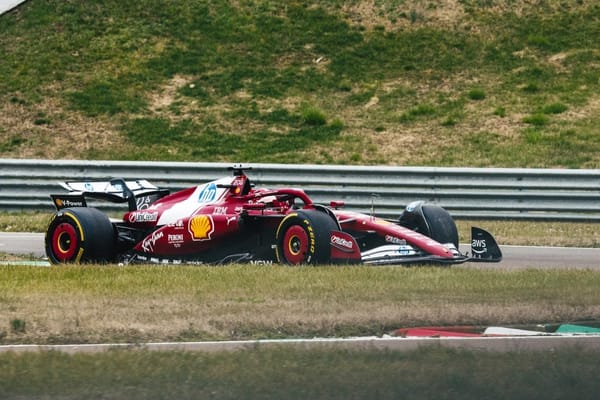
(467, 193)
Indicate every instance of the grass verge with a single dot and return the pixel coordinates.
(90, 304)
(291, 374)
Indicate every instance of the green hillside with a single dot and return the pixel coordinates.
(503, 83)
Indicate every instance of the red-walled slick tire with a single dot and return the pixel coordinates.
(303, 237)
(78, 235)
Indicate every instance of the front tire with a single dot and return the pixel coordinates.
(303, 237)
(79, 235)
(442, 228)
(430, 220)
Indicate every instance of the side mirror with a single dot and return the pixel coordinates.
(335, 204)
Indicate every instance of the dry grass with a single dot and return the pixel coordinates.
(50, 131)
(146, 303)
(34, 221)
(404, 14)
(538, 233)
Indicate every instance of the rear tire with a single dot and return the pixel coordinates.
(304, 237)
(80, 235)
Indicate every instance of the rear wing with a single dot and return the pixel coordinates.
(138, 194)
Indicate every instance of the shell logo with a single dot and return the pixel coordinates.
(201, 227)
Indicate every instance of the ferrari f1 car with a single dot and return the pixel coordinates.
(230, 221)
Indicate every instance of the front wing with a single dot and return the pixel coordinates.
(483, 249)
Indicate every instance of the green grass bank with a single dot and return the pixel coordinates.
(489, 83)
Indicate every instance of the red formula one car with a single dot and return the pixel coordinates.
(230, 221)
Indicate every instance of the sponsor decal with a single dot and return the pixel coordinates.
(63, 203)
(394, 239)
(177, 224)
(220, 210)
(88, 186)
(143, 202)
(261, 262)
(201, 227)
(478, 246)
(208, 193)
(406, 250)
(194, 262)
(149, 242)
(419, 238)
(155, 260)
(175, 238)
(479, 243)
(341, 243)
(143, 216)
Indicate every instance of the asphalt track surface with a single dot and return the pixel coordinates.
(515, 257)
